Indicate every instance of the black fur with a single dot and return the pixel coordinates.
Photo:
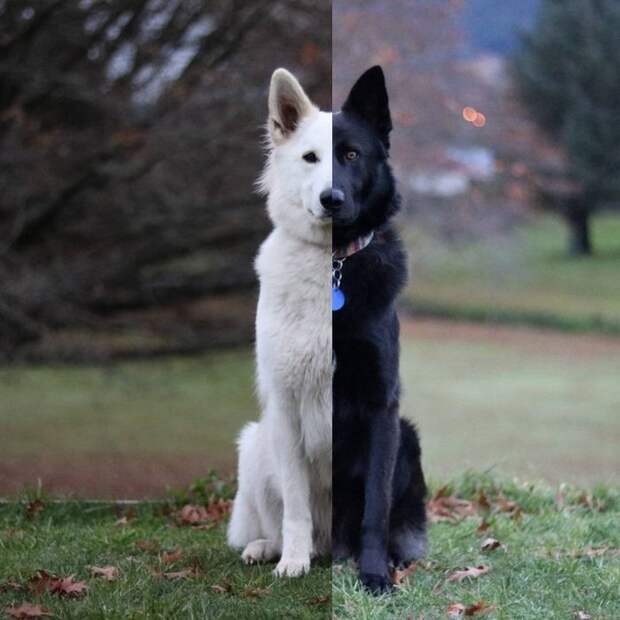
(378, 485)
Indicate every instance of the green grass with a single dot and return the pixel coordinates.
(532, 404)
(544, 572)
(65, 539)
(548, 568)
(166, 405)
(522, 277)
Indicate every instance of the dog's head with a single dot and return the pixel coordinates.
(299, 167)
(363, 188)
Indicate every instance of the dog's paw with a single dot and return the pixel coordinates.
(376, 584)
(292, 567)
(259, 551)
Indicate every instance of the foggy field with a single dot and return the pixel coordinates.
(530, 403)
(524, 277)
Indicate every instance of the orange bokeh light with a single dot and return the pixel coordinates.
(480, 120)
(469, 114)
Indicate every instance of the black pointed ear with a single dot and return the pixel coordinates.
(368, 100)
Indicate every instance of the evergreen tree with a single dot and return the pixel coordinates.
(568, 75)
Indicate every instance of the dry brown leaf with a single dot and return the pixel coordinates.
(483, 527)
(109, 573)
(122, 522)
(458, 610)
(179, 574)
(483, 502)
(67, 586)
(27, 610)
(11, 586)
(40, 582)
(399, 576)
(34, 508)
(170, 557)
(443, 507)
(222, 589)
(471, 572)
(147, 545)
(490, 544)
(320, 600)
(256, 592)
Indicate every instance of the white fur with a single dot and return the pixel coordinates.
(283, 505)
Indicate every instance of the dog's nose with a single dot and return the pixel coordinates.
(332, 199)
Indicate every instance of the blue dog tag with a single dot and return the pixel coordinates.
(337, 299)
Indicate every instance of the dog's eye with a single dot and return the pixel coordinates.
(311, 157)
(351, 155)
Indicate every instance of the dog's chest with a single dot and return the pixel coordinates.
(293, 322)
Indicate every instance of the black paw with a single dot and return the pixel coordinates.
(376, 584)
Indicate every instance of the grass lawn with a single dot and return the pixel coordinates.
(523, 277)
(559, 556)
(556, 560)
(67, 539)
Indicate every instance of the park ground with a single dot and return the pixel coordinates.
(541, 553)
(510, 369)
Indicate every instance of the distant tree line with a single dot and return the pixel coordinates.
(129, 142)
(568, 73)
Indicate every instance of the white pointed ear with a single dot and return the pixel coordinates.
(288, 105)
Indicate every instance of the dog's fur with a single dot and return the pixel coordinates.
(378, 485)
(283, 504)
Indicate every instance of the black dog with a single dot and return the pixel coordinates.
(378, 485)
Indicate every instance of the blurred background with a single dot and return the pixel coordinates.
(130, 138)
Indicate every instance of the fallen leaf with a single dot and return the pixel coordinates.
(456, 610)
(582, 615)
(483, 527)
(490, 544)
(483, 502)
(109, 573)
(191, 514)
(27, 610)
(33, 508)
(320, 600)
(471, 572)
(170, 557)
(443, 507)
(147, 545)
(255, 592)
(510, 507)
(67, 586)
(179, 574)
(10, 585)
(398, 576)
(479, 608)
(219, 589)
(122, 522)
(40, 582)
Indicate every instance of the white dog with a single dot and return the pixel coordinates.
(283, 505)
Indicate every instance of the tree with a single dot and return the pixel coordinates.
(568, 75)
(130, 138)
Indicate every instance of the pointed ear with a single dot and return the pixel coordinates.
(288, 105)
(368, 100)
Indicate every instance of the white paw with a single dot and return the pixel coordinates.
(292, 567)
(259, 551)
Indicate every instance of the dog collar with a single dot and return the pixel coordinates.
(338, 258)
(357, 245)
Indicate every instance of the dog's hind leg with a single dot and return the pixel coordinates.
(245, 524)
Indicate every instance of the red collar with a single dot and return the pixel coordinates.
(357, 245)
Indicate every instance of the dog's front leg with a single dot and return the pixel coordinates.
(383, 449)
(295, 485)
